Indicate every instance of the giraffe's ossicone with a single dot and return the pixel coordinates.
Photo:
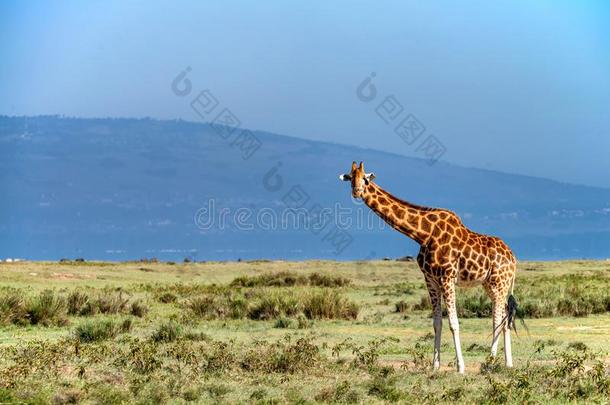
(450, 254)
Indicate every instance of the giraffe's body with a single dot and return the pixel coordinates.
(450, 254)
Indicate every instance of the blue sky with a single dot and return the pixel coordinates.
(522, 87)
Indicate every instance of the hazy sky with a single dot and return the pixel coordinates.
(522, 87)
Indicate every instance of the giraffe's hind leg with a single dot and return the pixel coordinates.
(498, 295)
(435, 299)
(508, 354)
(497, 316)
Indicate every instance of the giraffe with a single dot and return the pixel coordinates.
(450, 254)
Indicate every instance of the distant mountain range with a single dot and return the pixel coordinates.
(118, 189)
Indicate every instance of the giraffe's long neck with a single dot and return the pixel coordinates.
(407, 218)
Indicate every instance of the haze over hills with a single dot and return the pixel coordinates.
(117, 189)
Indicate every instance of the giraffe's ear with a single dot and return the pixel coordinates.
(368, 177)
(345, 177)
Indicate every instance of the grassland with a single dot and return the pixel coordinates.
(290, 332)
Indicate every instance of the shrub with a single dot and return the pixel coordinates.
(12, 308)
(208, 307)
(322, 280)
(328, 304)
(111, 303)
(47, 309)
(342, 392)
(384, 387)
(282, 357)
(126, 325)
(96, 330)
(166, 332)
(217, 391)
(138, 308)
(69, 396)
(167, 298)
(401, 307)
(77, 300)
(280, 279)
(283, 323)
(273, 305)
(105, 302)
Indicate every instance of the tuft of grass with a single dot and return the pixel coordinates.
(401, 307)
(138, 308)
(47, 309)
(105, 302)
(97, 330)
(112, 303)
(166, 332)
(167, 297)
(384, 387)
(77, 300)
(283, 356)
(329, 304)
(13, 309)
(342, 393)
(283, 323)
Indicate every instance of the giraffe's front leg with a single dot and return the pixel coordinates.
(449, 296)
(437, 310)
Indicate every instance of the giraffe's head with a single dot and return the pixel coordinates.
(359, 178)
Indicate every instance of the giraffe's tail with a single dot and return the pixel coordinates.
(511, 312)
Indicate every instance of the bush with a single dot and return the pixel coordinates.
(111, 303)
(97, 330)
(13, 308)
(105, 302)
(282, 356)
(77, 300)
(167, 298)
(283, 323)
(47, 309)
(384, 387)
(274, 305)
(166, 332)
(342, 392)
(139, 309)
(401, 307)
(328, 304)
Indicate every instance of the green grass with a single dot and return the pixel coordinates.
(290, 332)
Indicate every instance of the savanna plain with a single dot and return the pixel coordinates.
(291, 332)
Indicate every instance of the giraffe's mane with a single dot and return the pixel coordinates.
(404, 202)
